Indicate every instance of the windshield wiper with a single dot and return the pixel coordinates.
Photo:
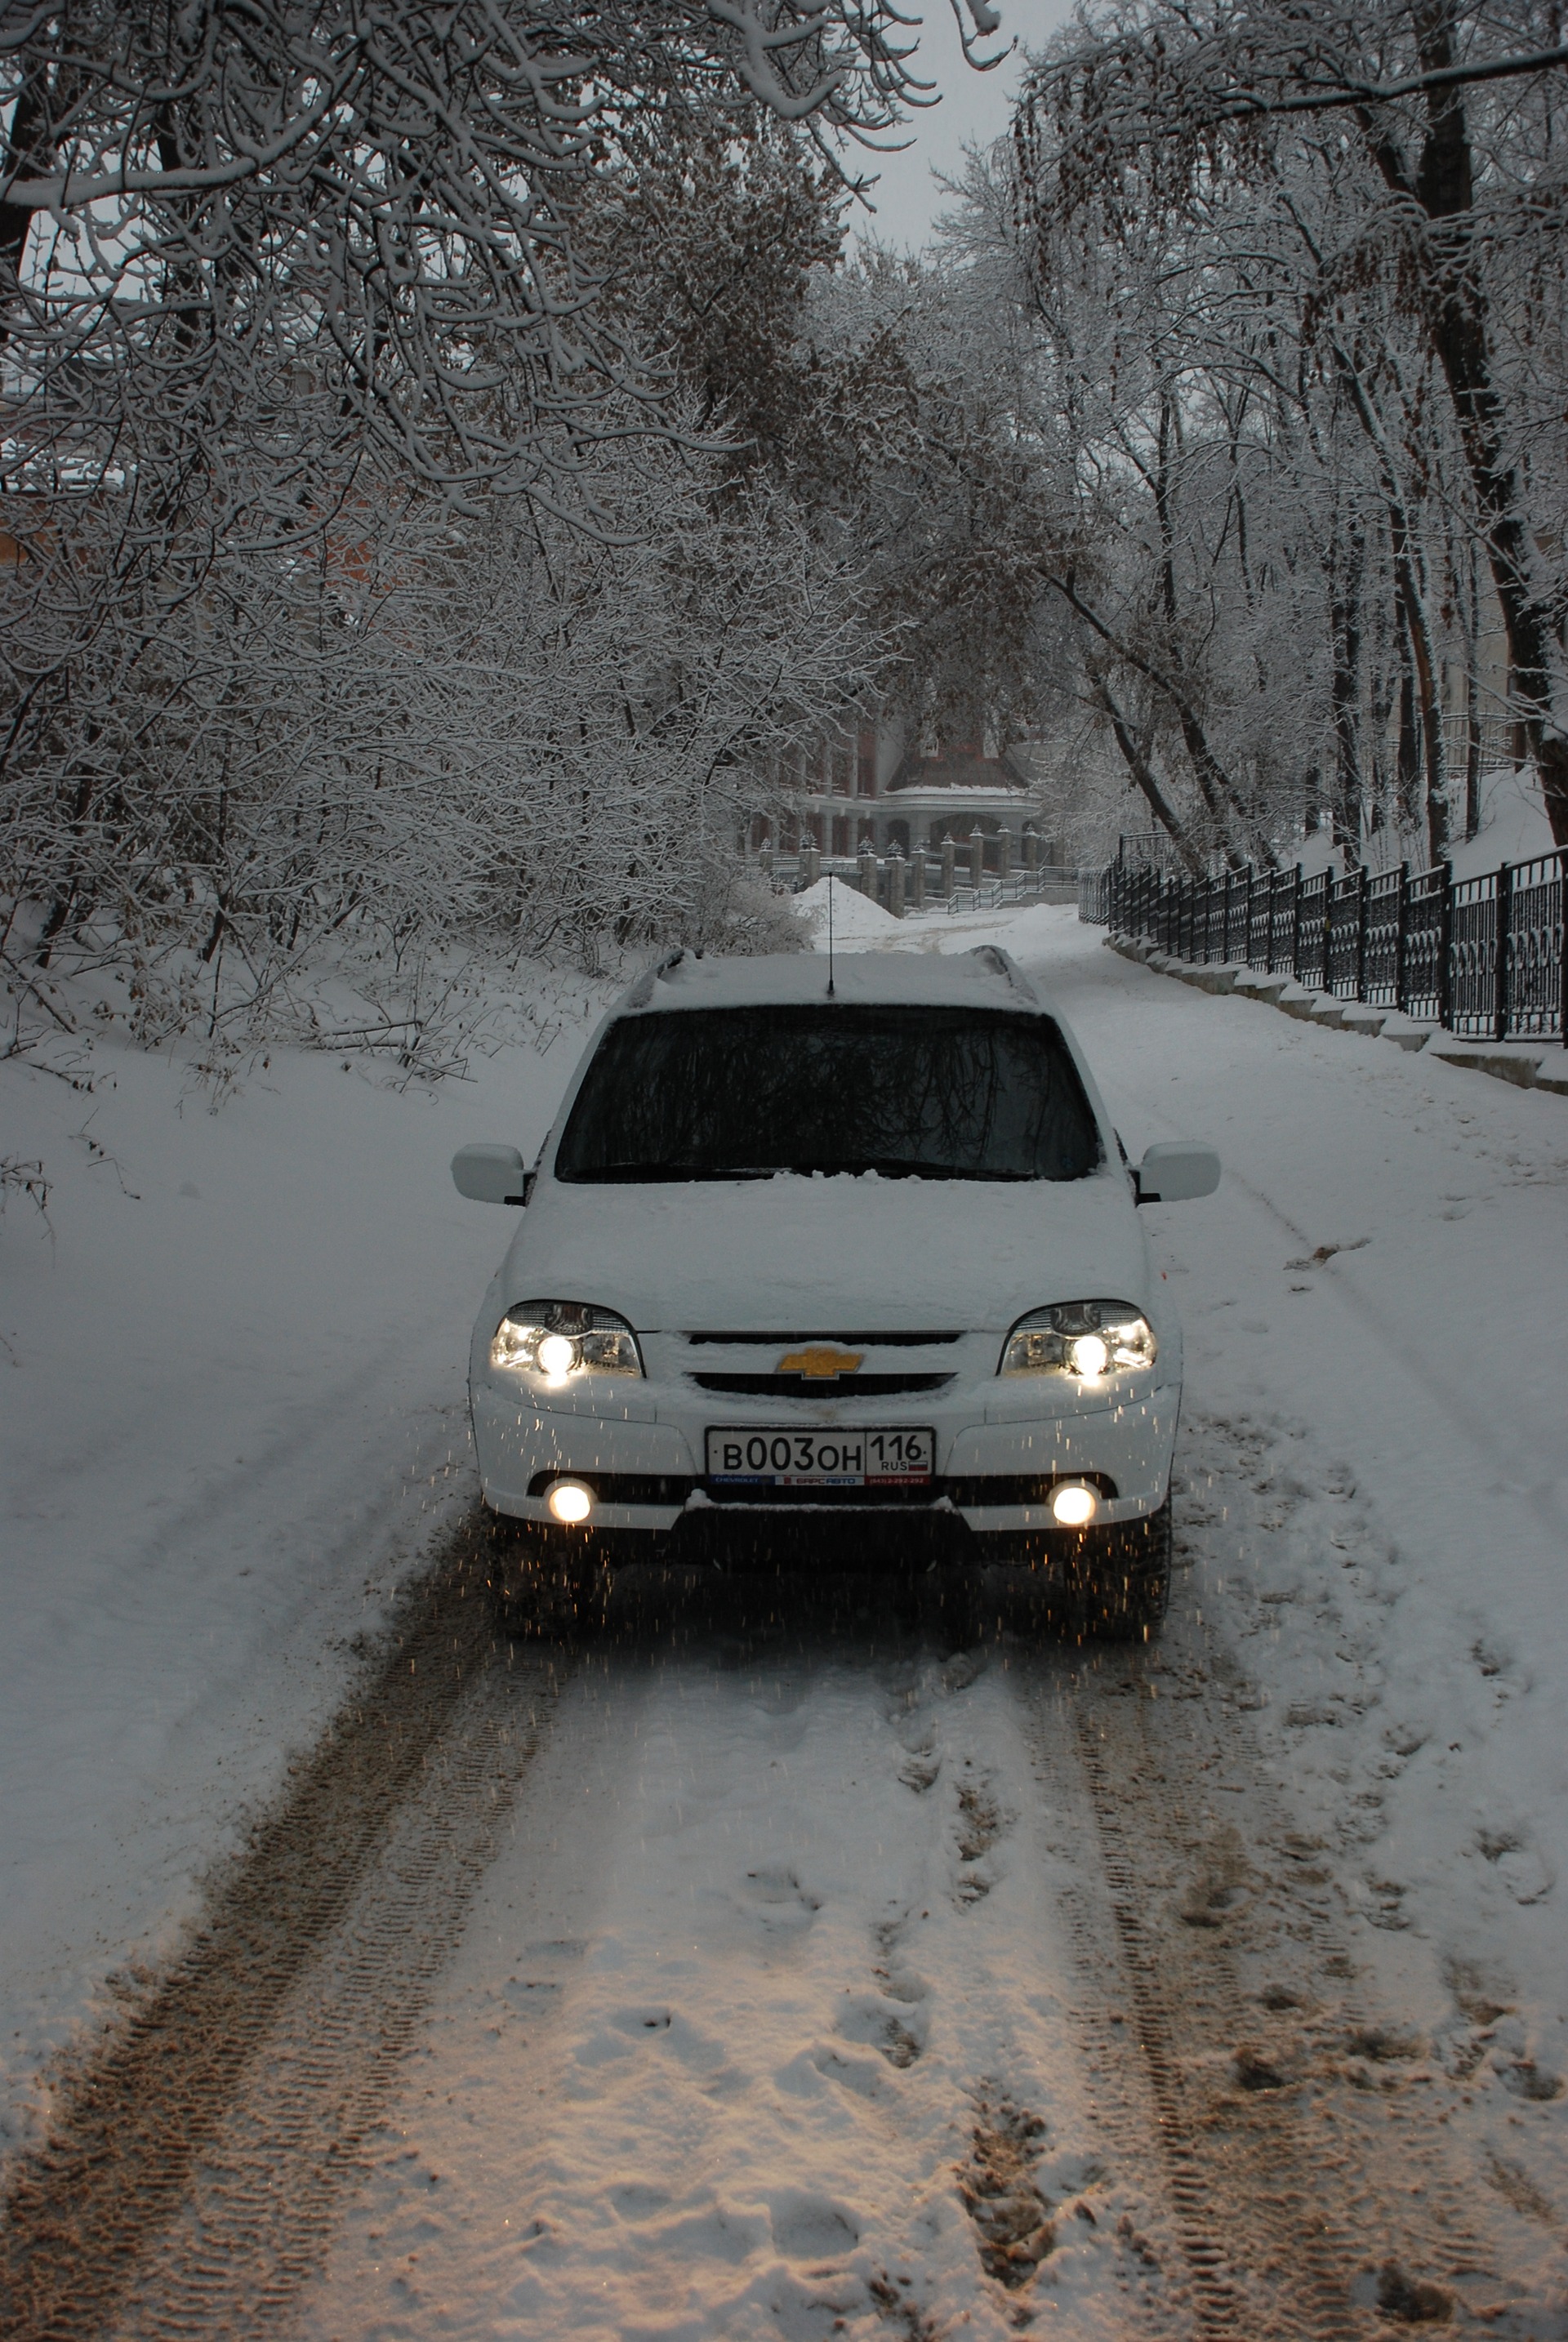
(898, 1166)
(853, 1166)
(634, 1174)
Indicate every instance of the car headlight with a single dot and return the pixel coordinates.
(1091, 1339)
(561, 1339)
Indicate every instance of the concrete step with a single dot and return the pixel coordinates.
(1519, 1066)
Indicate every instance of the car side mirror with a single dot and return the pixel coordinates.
(491, 1175)
(1176, 1171)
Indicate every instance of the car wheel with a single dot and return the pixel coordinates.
(545, 1581)
(1123, 1580)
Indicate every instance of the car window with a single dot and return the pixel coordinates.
(949, 1093)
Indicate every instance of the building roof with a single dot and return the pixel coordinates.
(959, 771)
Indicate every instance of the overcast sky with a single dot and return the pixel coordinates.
(973, 107)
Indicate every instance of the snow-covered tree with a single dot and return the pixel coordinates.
(1425, 141)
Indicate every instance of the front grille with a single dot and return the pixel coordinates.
(972, 1489)
(821, 1387)
(825, 1499)
(845, 1341)
(1019, 1488)
(621, 1488)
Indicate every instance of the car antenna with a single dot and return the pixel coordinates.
(829, 992)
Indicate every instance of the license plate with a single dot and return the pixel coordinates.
(821, 1459)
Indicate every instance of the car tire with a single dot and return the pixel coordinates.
(1123, 1580)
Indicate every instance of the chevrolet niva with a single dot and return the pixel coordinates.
(817, 1243)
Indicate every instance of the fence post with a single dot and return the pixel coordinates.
(976, 858)
(1562, 942)
(949, 852)
(1271, 880)
(1401, 975)
(1005, 855)
(917, 877)
(896, 882)
(1446, 952)
(1501, 974)
(1296, 926)
(1361, 909)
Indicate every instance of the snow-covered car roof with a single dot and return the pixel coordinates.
(984, 977)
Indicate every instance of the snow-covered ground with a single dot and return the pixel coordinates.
(232, 1397)
(756, 2004)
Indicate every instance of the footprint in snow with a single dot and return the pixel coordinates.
(811, 2227)
(778, 1902)
(889, 2022)
(1013, 2228)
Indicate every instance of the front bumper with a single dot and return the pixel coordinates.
(647, 1472)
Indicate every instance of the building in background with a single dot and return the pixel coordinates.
(872, 788)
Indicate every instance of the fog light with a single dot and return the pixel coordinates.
(571, 1502)
(1073, 1503)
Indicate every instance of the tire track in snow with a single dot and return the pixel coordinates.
(806, 2072)
(195, 2161)
(1297, 2216)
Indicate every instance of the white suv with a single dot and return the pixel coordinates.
(862, 1241)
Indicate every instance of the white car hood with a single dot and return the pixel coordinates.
(793, 1255)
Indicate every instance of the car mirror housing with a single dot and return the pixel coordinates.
(1176, 1172)
(491, 1175)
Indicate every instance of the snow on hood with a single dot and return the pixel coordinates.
(842, 1254)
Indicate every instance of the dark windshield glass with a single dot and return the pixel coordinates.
(908, 1091)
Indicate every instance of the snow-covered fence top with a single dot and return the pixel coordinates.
(1481, 956)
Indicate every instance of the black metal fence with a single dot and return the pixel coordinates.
(1481, 956)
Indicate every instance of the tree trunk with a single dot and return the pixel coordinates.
(25, 148)
(1142, 773)
(1473, 703)
(1407, 755)
(1347, 561)
(1458, 322)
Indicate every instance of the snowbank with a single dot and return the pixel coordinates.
(858, 923)
(1513, 823)
(231, 1407)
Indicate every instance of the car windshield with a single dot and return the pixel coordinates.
(819, 1086)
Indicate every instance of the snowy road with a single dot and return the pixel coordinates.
(783, 1963)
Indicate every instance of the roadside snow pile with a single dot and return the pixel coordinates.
(232, 1342)
(858, 923)
(1513, 824)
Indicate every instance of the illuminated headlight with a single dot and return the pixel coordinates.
(558, 1340)
(1093, 1340)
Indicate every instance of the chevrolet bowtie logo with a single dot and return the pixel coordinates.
(819, 1362)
